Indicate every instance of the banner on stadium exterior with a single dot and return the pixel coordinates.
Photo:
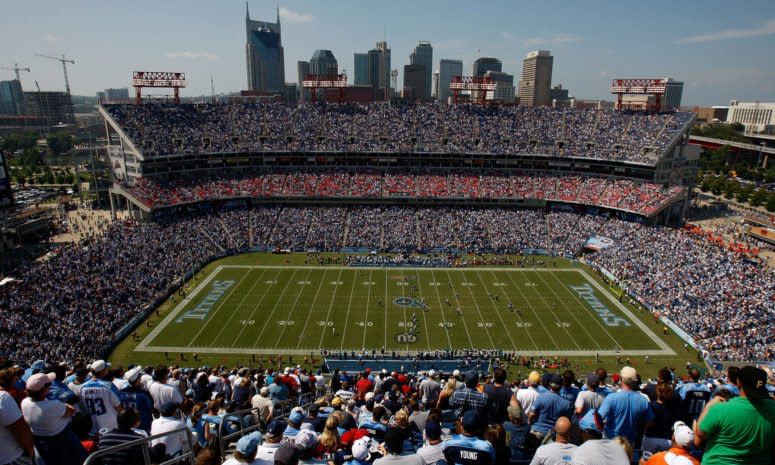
(598, 243)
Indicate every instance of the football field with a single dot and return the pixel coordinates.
(288, 309)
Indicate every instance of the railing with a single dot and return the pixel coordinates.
(187, 456)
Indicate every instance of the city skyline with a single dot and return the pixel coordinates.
(718, 52)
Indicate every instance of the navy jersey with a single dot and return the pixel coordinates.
(468, 450)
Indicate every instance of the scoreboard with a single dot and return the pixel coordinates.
(6, 195)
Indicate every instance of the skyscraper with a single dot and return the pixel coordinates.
(265, 55)
(302, 68)
(414, 82)
(361, 69)
(447, 70)
(484, 64)
(423, 56)
(536, 83)
(323, 63)
(11, 98)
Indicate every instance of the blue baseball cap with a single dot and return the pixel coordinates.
(248, 445)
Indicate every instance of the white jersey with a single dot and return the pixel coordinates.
(163, 393)
(101, 403)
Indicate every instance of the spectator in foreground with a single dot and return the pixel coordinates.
(467, 448)
(128, 419)
(625, 413)
(245, 452)
(742, 429)
(49, 421)
(392, 448)
(559, 451)
(678, 454)
(432, 452)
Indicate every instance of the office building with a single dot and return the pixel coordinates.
(113, 95)
(535, 85)
(673, 93)
(323, 63)
(755, 116)
(414, 82)
(447, 70)
(302, 68)
(265, 55)
(484, 64)
(423, 56)
(504, 86)
(11, 98)
(55, 107)
(361, 69)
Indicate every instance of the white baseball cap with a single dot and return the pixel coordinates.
(99, 365)
(682, 434)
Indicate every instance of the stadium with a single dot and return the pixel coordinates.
(379, 238)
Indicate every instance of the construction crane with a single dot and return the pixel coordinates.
(15, 69)
(64, 67)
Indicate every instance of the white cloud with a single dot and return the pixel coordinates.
(294, 17)
(50, 38)
(767, 28)
(209, 56)
(552, 40)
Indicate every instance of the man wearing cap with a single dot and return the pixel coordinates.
(49, 421)
(272, 440)
(286, 454)
(548, 408)
(625, 413)
(529, 394)
(263, 405)
(314, 419)
(136, 397)
(742, 429)
(430, 389)
(169, 421)
(469, 398)
(432, 452)
(361, 452)
(101, 398)
(295, 420)
(558, 452)
(245, 452)
(589, 398)
(678, 454)
(467, 448)
(127, 420)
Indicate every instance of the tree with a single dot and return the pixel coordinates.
(20, 179)
(744, 194)
(19, 141)
(758, 197)
(705, 184)
(770, 205)
(717, 185)
(60, 142)
(739, 127)
(730, 188)
(31, 158)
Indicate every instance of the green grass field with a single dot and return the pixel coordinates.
(256, 304)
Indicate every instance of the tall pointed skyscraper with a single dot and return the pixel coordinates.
(265, 54)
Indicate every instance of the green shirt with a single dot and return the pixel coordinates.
(739, 431)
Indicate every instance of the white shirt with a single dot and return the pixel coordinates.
(101, 403)
(553, 454)
(526, 397)
(587, 400)
(431, 453)
(173, 442)
(162, 393)
(265, 453)
(45, 417)
(10, 449)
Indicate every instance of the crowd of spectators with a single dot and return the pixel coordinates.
(57, 414)
(71, 304)
(642, 198)
(164, 129)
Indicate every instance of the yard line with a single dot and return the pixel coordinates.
(293, 309)
(518, 316)
(403, 309)
(233, 313)
(312, 305)
(465, 326)
(498, 312)
(589, 310)
(557, 319)
(424, 319)
(441, 308)
(573, 314)
(330, 306)
(222, 301)
(366, 315)
(274, 307)
(386, 309)
(538, 317)
(479, 311)
(349, 304)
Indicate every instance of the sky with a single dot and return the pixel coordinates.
(721, 50)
